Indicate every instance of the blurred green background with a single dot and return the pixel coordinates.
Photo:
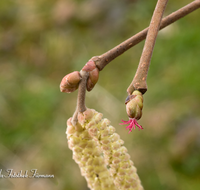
(43, 40)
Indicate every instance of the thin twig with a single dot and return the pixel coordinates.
(81, 92)
(102, 60)
(139, 81)
(81, 96)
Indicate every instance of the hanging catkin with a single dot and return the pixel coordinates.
(100, 154)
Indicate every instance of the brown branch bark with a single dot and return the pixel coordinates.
(139, 81)
(102, 60)
(81, 96)
(81, 92)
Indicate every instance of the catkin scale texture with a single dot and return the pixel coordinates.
(100, 154)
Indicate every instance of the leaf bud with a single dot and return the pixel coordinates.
(70, 82)
(93, 78)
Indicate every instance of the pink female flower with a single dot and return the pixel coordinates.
(133, 123)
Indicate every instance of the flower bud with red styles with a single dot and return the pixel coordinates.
(134, 105)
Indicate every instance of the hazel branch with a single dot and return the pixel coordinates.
(71, 81)
(139, 81)
(81, 92)
(81, 96)
(102, 60)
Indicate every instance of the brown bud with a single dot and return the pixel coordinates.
(70, 82)
(89, 66)
(93, 78)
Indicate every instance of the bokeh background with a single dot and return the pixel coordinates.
(43, 40)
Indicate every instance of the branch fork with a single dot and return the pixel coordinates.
(88, 76)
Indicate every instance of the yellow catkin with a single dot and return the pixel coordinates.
(117, 159)
(100, 153)
(89, 157)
